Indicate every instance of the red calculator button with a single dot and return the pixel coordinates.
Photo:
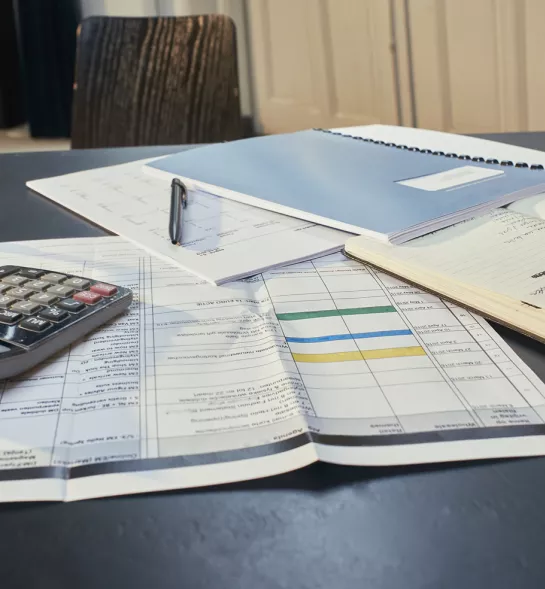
(87, 297)
(106, 290)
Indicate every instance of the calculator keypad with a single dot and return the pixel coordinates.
(20, 292)
(34, 324)
(53, 314)
(25, 307)
(44, 298)
(6, 302)
(87, 297)
(38, 285)
(71, 305)
(9, 317)
(15, 280)
(36, 303)
(31, 273)
(105, 290)
(60, 291)
(77, 283)
(53, 277)
(7, 270)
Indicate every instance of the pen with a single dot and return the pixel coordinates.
(178, 202)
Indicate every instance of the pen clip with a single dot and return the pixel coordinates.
(183, 190)
(178, 202)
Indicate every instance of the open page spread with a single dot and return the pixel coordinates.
(200, 385)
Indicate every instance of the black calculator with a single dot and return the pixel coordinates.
(42, 312)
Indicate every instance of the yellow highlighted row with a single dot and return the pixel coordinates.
(362, 355)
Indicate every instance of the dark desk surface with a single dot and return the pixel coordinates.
(453, 526)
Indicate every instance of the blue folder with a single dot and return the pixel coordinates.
(348, 183)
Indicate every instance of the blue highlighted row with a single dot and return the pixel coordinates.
(334, 338)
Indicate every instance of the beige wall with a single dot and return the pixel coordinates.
(321, 63)
(478, 64)
(454, 65)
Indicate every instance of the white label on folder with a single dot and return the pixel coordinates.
(451, 178)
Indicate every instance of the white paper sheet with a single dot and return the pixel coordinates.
(222, 240)
(200, 385)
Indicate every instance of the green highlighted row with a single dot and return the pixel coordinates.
(334, 313)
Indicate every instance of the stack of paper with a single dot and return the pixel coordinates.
(324, 359)
(222, 240)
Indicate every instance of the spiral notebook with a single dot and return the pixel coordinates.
(492, 264)
(387, 191)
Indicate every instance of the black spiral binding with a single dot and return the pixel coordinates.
(431, 152)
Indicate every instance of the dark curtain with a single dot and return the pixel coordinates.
(47, 38)
(11, 93)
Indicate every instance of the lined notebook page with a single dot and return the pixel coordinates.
(502, 251)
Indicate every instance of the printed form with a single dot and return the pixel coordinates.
(198, 385)
(222, 240)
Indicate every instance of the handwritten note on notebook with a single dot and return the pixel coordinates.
(502, 251)
(222, 240)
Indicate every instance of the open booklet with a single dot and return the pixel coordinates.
(197, 385)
